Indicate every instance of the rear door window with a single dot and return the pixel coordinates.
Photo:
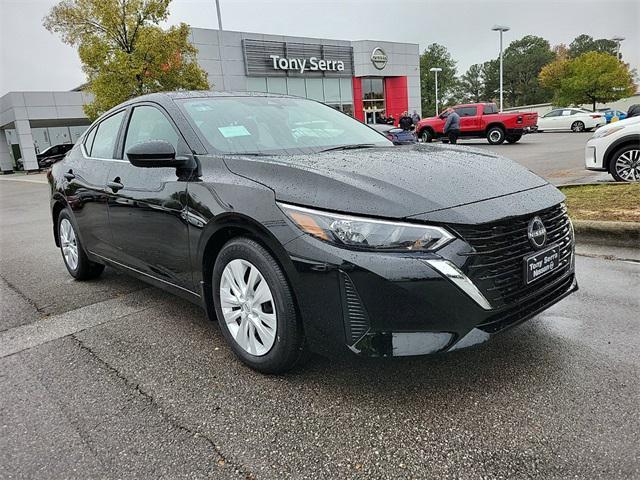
(489, 109)
(466, 111)
(106, 136)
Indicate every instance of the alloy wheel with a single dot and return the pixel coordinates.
(495, 136)
(577, 127)
(628, 165)
(248, 307)
(69, 244)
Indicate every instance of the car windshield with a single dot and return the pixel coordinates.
(276, 125)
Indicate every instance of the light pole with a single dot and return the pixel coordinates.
(618, 39)
(436, 70)
(501, 29)
(219, 15)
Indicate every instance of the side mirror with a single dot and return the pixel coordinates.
(156, 154)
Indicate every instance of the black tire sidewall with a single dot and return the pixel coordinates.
(288, 343)
(502, 136)
(426, 136)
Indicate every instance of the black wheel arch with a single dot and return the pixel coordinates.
(617, 145)
(58, 203)
(226, 227)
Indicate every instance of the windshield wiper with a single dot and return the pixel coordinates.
(349, 147)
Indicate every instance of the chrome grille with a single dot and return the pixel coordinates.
(495, 264)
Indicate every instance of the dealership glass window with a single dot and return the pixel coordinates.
(346, 90)
(315, 89)
(40, 139)
(257, 84)
(277, 85)
(331, 90)
(372, 89)
(295, 86)
(76, 132)
(347, 108)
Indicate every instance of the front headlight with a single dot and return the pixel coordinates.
(605, 132)
(367, 233)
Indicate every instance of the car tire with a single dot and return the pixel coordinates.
(426, 135)
(75, 258)
(496, 135)
(577, 126)
(267, 337)
(629, 154)
(513, 138)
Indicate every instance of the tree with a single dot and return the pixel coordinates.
(585, 43)
(123, 51)
(436, 55)
(491, 80)
(593, 77)
(471, 85)
(523, 61)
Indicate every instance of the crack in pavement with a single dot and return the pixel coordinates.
(23, 296)
(196, 434)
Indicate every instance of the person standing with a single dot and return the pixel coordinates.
(405, 122)
(415, 116)
(452, 126)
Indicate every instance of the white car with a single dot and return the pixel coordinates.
(616, 149)
(572, 119)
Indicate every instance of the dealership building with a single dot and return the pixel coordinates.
(362, 78)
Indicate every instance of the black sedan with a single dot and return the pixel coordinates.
(53, 154)
(297, 227)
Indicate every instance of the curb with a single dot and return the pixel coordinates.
(590, 184)
(618, 234)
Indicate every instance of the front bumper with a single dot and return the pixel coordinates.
(396, 304)
(594, 154)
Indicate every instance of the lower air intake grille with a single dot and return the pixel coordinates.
(356, 319)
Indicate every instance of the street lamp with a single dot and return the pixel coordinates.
(501, 29)
(436, 70)
(618, 39)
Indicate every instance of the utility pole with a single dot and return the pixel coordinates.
(501, 29)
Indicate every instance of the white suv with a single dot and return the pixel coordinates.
(616, 148)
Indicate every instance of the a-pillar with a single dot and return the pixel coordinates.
(6, 164)
(28, 150)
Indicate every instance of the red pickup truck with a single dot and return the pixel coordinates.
(481, 120)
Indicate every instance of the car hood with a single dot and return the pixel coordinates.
(393, 182)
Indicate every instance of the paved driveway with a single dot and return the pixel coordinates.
(114, 379)
(556, 156)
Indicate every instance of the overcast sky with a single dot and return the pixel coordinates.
(33, 59)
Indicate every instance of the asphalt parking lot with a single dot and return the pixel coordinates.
(115, 379)
(557, 156)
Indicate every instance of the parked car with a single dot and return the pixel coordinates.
(397, 135)
(615, 148)
(53, 154)
(298, 227)
(570, 119)
(611, 113)
(480, 120)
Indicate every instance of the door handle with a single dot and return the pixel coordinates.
(115, 185)
(69, 175)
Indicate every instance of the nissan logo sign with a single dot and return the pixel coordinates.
(379, 58)
(537, 233)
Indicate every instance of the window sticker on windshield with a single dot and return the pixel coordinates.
(201, 107)
(234, 131)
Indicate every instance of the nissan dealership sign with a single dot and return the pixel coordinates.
(303, 64)
(267, 58)
(379, 58)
